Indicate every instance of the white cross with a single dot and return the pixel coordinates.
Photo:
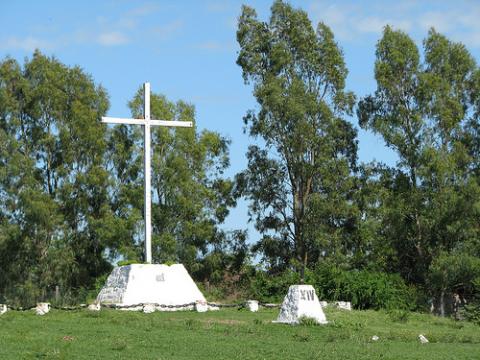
(147, 122)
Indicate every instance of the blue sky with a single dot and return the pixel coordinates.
(187, 50)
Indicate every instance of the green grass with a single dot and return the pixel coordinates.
(232, 334)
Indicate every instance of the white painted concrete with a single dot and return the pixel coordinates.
(94, 307)
(201, 306)
(301, 301)
(42, 308)
(148, 308)
(252, 305)
(150, 284)
(344, 305)
(423, 339)
(147, 123)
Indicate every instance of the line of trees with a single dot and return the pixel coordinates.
(311, 200)
(71, 188)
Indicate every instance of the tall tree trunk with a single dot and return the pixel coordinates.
(442, 303)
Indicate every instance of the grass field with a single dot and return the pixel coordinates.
(232, 334)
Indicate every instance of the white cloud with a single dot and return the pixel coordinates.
(112, 38)
(169, 29)
(353, 22)
(28, 43)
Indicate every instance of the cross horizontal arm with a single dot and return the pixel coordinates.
(171, 123)
(111, 120)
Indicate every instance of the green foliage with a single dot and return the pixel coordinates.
(299, 183)
(127, 262)
(471, 311)
(455, 273)
(73, 188)
(191, 197)
(364, 289)
(426, 111)
(382, 237)
(266, 287)
(52, 180)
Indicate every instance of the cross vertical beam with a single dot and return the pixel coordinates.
(147, 122)
(147, 175)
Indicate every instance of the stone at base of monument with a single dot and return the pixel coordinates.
(94, 307)
(170, 288)
(3, 309)
(301, 301)
(252, 305)
(201, 306)
(42, 308)
(148, 308)
(344, 305)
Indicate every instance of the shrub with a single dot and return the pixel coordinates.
(271, 288)
(364, 289)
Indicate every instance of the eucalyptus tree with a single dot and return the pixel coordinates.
(299, 179)
(425, 111)
(52, 181)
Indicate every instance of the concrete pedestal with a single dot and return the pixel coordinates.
(151, 284)
(301, 301)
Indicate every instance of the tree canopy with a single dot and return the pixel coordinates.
(53, 182)
(300, 182)
(403, 234)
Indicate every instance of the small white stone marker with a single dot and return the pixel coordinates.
(3, 309)
(423, 339)
(344, 305)
(252, 305)
(148, 308)
(323, 304)
(375, 338)
(42, 308)
(94, 307)
(201, 306)
(213, 308)
(301, 301)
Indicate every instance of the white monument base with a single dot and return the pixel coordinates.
(301, 301)
(170, 288)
